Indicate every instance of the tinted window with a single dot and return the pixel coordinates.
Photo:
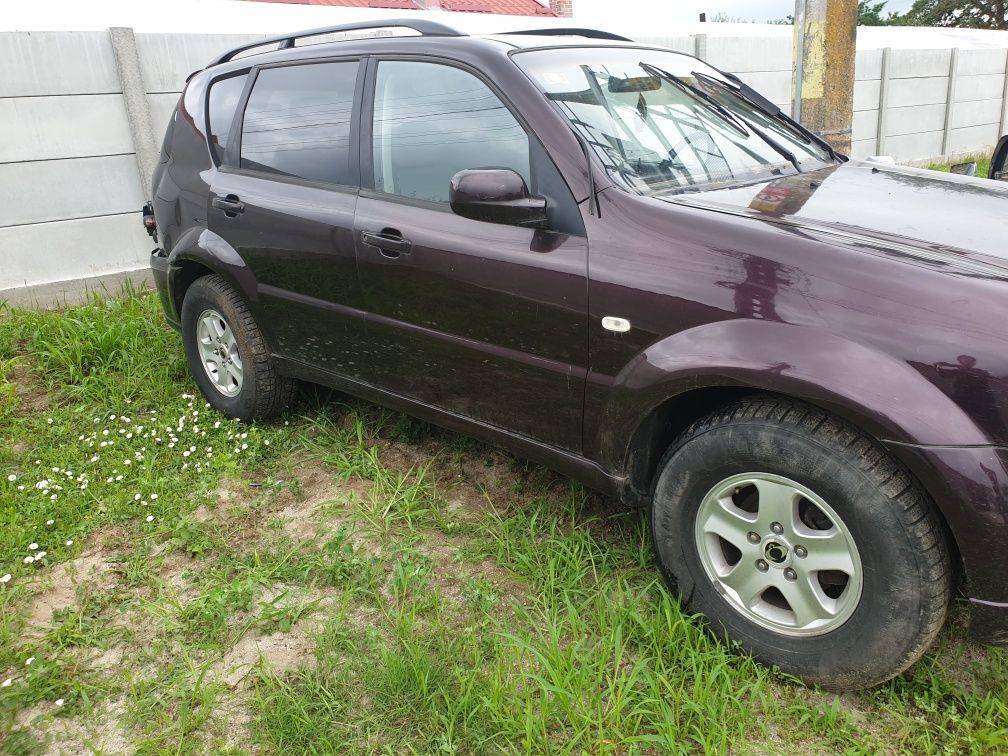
(297, 122)
(224, 96)
(431, 121)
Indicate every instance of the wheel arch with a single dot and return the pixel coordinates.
(200, 252)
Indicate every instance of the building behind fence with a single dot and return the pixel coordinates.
(82, 114)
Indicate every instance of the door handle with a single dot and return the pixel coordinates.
(231, 205)
(388, 241)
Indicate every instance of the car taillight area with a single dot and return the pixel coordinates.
(149, 221)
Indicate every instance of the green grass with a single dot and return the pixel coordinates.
(982, 161)
(350, 580)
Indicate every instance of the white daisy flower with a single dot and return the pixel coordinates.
(32, 546)
(150, 518)
(12, 477)
(6, 578)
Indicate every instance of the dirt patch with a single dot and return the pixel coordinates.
(31, 395)
(278, 652)
(90, 572)
(98, 731)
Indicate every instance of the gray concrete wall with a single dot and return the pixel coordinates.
(70, 176)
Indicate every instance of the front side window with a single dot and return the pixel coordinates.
(222, 103)
(297, 122)
(432, 121)
(663, 122)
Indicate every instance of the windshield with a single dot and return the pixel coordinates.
(663, 122)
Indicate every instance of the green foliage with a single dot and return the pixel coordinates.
(974, 14)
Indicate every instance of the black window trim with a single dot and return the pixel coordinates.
(366, 143)
(231, 162)
(249, 75)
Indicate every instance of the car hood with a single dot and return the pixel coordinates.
(956, 220)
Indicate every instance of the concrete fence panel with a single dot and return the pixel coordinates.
(56, 63)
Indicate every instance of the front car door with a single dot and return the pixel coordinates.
(483, 320)
(284, 199)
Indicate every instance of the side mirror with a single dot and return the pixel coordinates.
(496, 195)
(999, 162)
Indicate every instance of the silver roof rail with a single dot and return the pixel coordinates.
(426, 28)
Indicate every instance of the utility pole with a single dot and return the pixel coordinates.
(825, 35)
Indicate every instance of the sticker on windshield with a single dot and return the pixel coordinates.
(555, 77)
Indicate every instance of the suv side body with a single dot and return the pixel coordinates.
(723, 305)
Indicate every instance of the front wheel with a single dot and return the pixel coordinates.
(227, 354)
(802, 540)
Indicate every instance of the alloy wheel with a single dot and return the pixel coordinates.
(779, 554)
(219, 352)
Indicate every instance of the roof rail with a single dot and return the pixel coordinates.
(425, 27)
(572, 32)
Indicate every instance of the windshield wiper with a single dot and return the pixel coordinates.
(766, 107)
(726, 115)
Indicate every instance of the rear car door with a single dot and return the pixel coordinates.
(284, 197)
(484, 320)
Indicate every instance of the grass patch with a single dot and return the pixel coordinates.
(982, 161)
(350, 580)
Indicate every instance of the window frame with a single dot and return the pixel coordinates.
(249, 75)
(231, 162)
(367, 186)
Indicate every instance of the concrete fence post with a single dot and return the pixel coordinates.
(700, 46)
(950, 100)
(883, 103)
(1004, 101)
(134, 94)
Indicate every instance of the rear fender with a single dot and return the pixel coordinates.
(204, 247)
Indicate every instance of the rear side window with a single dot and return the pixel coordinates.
(224, 96)
(297, 122)
(431, 121)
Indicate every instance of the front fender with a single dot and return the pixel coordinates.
(885, 396)
(205, 248)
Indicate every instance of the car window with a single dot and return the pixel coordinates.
(224, 96)
(297, 122)
(432, 121)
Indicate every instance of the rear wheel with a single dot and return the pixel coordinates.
(804, 541)
(228, 357)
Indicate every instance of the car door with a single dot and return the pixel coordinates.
(284, 198)
(484, 320)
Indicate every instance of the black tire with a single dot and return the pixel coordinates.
(264, 393)
(905, 584)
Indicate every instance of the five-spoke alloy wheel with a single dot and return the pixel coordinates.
(219, 349)
(779, 554)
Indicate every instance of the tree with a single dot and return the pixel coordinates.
(971, 14)
(870, 14)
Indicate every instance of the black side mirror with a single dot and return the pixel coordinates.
(496, 195)
(999, 162)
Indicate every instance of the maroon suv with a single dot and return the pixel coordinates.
(623, 263)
